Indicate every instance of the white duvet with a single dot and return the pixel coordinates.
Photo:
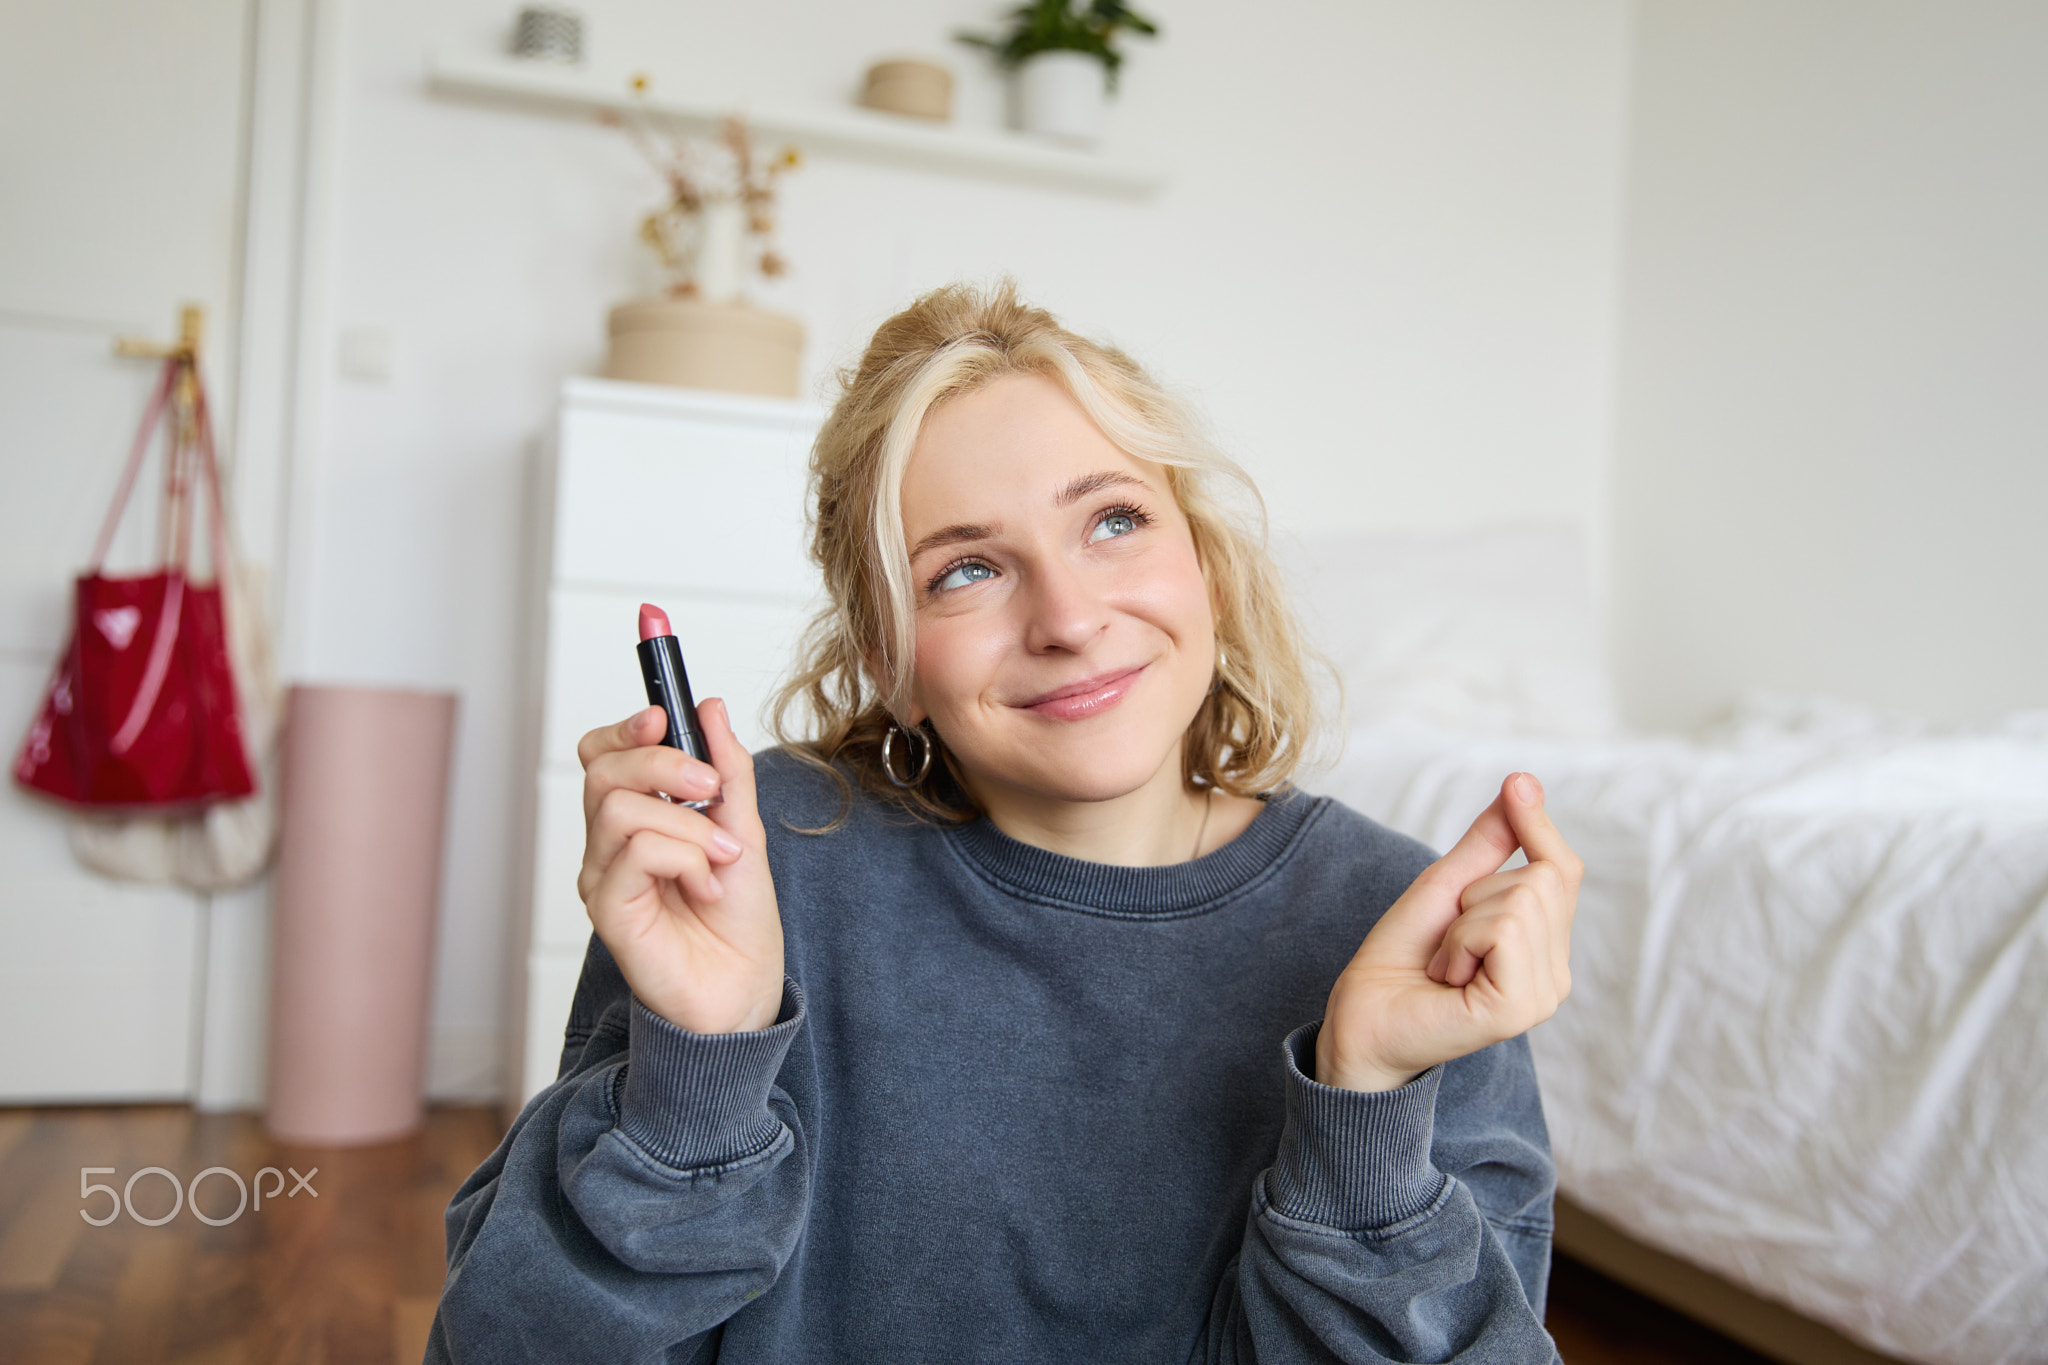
(1807, 1042)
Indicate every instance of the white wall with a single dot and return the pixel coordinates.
(1384, 264)
(1834, 360)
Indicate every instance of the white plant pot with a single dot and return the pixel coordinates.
(1061, 96)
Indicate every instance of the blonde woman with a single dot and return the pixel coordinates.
(1022, 1010)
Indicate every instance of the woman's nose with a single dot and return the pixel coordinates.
(1063, 610)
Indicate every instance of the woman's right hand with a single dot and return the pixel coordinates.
(682, 898)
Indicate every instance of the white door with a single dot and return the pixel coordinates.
(120, 174)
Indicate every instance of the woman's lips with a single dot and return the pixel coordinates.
(1085, 698)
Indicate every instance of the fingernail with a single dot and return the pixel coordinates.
(1525, 787)
(725, 843)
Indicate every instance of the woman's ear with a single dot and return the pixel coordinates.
(1211, 581)
(914, 707)
(871, 662)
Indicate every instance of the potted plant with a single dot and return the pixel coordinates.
(1065, 56)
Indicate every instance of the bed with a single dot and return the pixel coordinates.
(1806, 1050)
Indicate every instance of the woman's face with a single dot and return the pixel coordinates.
(1064, 630)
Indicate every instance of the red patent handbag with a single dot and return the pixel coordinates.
(141, 711)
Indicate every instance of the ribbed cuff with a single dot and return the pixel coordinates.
(1353, 1159)
(701, 1099)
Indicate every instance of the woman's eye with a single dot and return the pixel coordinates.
(1115, 524)
(963, 575)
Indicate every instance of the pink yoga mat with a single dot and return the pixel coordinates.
(364, 796)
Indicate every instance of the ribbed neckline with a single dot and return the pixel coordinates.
(1177, 889)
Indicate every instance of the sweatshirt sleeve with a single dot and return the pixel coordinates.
(656, 1187)
(1408, 1225)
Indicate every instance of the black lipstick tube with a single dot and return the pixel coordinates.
(668, 686)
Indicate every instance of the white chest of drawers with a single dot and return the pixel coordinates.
(694, 502)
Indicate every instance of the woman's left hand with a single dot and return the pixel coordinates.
(1469, 956)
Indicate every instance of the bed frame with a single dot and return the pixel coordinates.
(1765, 1327)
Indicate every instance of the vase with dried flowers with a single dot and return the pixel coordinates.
(715, 233)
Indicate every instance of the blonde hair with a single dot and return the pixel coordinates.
(851, 680)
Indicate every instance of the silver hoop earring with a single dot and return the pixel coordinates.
(924, 754)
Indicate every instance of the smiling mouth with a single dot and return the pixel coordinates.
(1088, 697)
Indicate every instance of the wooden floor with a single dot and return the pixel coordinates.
(346, 1271)
(1598, 1322)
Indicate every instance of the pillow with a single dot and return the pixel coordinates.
(1487, 630)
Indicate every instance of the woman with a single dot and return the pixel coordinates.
(983, 1025)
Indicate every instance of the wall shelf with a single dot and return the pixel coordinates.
(856, 133)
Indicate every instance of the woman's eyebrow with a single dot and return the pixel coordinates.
(954, 534)
(1076, 490)
(1095, 483)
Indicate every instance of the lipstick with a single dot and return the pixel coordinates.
(668, 686)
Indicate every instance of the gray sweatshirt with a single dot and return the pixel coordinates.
(1017, 1107)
